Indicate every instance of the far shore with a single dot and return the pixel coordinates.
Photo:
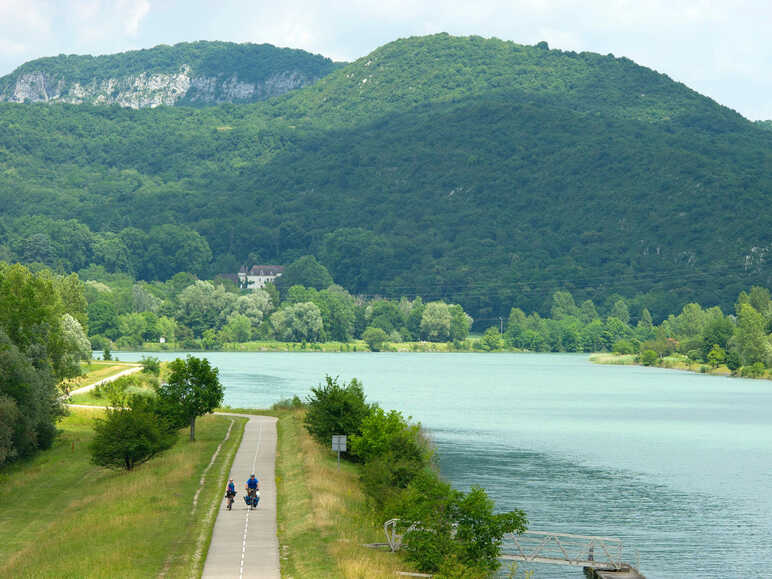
(673, 362)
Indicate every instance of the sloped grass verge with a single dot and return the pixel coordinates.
(61, 516)
(323, 518)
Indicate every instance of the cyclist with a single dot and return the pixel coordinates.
(252, 486)
(230, 493)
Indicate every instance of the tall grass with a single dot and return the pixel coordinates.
(323, 517)
(61, 516)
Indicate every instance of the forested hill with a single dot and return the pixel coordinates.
(198, 73)
(480, 171)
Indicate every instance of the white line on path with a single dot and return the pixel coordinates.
(246, 519)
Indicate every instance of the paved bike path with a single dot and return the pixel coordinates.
(244, 542)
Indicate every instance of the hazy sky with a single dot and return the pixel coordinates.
(721, 48)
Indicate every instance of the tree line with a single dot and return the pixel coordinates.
(42, 341)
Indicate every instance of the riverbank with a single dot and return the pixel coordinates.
(323, 518)
(467, 346)
(674, 362)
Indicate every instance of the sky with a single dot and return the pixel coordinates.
(720, 48)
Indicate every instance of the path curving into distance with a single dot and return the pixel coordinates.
(244, 542)
(112, 378)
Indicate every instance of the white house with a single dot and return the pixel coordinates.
(259, 275)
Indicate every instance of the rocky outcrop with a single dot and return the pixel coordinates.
(152, 89)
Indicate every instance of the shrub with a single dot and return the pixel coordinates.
(649, 358)
(623, 347)
(126, 437)
(755, 370)
(375, 338)
(458, 533)
(293, 403)
(335, 409)
(733, 361)
(491, 339)
(151, 365)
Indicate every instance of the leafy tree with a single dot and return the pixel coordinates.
(192, 390)
(76, 346)
(298, 322)
(620, 311)
(563, 305)
(435, 322)
(649, 358)
(717, 332)
(127, 437)
(375, 338)
(30, 402)
(237, 329)
(491, 339)
(151, 365)
(305, 271)
(458, 532)
(750, 338)
(716, 356)
(334, 408)
(460, 323)
(203, 306)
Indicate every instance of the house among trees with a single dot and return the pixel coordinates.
(259, 275)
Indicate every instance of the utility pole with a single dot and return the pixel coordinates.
(501, 325)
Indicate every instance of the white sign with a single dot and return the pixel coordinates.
(339, 442)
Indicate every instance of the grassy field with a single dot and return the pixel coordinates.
(61, 516)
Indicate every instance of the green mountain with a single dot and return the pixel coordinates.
(480, 171)
(197, 74)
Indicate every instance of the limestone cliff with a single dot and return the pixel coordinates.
(196, 74)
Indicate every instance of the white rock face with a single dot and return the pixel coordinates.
(152, 89)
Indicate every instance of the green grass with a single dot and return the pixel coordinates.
(322, 516)
(61, 516)
(95, 370)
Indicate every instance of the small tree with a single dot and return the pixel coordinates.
(716, 356)
(193, 390)
(649, 358)
(375, 338)
(151, 365)
(491, 339)
(126, 437)
(335, 409)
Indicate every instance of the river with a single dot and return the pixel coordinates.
(678, 465)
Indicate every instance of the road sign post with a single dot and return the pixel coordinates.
(339, 444)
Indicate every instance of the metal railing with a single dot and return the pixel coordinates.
(563, 549)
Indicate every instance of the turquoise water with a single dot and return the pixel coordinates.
(678, 465)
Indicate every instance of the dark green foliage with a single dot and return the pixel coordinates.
(455, 529)
(192, 390)
(333, 408)
(477, 171)
(305, 271)
(37, 313)
(127, 437)
(375, 338)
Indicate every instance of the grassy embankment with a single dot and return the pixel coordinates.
(323, 518)
(673, 362)
(61, 516)
(95, 370)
